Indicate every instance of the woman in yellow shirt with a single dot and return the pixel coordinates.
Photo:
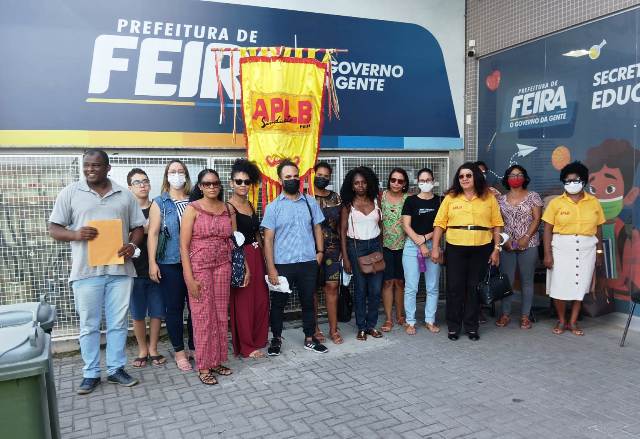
(572, 244)
(470, 215)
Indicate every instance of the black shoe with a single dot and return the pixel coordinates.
(474, 336)
(123, 378)
(88, 385)
(373, 332)
(274, 347)
(315, 346)
(453, 336)
(482, 318)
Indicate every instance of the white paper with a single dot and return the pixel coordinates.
(505, 238)
(239, 238)
(282, 287)
(346, 277)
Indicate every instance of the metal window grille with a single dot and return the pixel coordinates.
(31, 263)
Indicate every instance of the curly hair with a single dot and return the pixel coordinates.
(575, 168)
(248, 167)
(479, 182)
(405, 187)
(196, 192)
(346, 191)
(505, 177)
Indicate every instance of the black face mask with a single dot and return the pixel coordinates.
(321, 182)
(291, 186)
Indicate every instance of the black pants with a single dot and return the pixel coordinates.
(465, 267)
(175, 295)
(303, 276)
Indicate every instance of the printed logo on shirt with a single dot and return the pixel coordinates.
(423, 211)
(457, 207)
(564, 212)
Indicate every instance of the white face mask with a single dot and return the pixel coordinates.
(425, 187)
(573, 188)
(177, 181)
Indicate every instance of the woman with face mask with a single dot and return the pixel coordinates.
(164, 266)
(418, 213)
(521, 211)
(572, 244)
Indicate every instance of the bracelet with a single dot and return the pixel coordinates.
(599, 251)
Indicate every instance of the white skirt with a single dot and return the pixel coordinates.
(574, 262)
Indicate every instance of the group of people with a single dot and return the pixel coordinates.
(178, 254)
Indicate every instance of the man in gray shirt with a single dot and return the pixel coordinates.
(94, 287)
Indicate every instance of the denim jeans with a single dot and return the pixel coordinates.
(175, 295)
(411, 279)
(91, 295)
(368, 287)
(526, 262)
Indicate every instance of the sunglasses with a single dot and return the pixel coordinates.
(210, 184)
(240, 182)
(463, 176)
(396, 180)
(575, 180)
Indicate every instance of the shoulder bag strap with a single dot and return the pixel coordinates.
(310, 220)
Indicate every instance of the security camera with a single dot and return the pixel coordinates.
(471, 53)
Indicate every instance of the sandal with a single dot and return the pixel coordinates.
(139, 362)
(410, 330)
(184, 365)
(319, 335)
(503, 321)
(221, 370)
(575, 330)
(336, 338)
(525, 323)
(208, 378)
(157, 360)
(256, 354)
(402, 321)
(432, 327)
(387, 326)
(362, 336)
(559, 328)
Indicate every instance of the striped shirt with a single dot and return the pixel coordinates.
(181, 205)
(294, 241)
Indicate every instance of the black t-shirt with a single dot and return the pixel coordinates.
(248, 225)
(142, 262)
(422, 213)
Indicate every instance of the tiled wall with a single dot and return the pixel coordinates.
(498, 24)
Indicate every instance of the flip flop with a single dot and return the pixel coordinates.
(388, 325)
(157, 360)
(256, 354)
(558, 329)
(140, 362)
(336, 338)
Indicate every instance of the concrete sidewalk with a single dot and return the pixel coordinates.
(510, 384)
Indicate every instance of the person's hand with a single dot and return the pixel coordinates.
(346, 265)
(273, 277)
(599, 259)
(548, 261)
(154, 273)
(435, 255)
(494, 259)
(319, 258)
(494, 191)
(523, 242)
(193, 286)
(247, 276)
(507, 246)
(126, 251)
(86, 233)
(425, 250)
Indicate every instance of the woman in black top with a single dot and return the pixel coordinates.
(418, 214)
(249, 306)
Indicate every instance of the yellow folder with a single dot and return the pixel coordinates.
(103, 249)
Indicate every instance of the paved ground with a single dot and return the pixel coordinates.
(510, 384)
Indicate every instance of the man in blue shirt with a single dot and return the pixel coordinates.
(293, 248)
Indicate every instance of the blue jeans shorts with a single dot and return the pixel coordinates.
(146, 299)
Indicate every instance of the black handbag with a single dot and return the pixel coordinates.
(163, 236)
(345, 303)
(237, 261)
(495, 286)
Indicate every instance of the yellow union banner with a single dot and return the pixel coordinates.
(282, 110)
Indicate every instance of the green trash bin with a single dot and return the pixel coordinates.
(21, 313)
(28, 407)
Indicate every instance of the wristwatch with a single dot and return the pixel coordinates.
(136, 250)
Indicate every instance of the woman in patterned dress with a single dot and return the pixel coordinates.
(521, 211)
(393, 238)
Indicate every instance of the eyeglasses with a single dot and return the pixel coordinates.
(396, 180)
(210, 184)
(575, 180)
(240, 182)
(140, 183)
(515, 176)
(463, 176)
